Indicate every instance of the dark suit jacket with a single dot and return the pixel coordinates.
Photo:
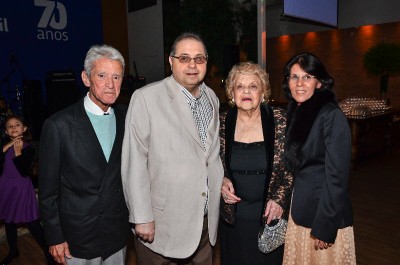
(320, 141)
(80, 194)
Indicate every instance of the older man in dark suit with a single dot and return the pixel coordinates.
(80, 191)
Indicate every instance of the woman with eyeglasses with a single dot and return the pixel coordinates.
(256, 187)
(318, 153)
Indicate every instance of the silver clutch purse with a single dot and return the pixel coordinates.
(271, 237)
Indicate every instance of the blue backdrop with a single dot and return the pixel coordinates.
(38, 36)
(321, 11)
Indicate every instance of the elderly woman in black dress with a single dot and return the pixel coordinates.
(256, 185)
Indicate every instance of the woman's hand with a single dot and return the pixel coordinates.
(273, 211)
(319, 244)
(228, 192)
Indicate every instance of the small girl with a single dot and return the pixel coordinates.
(18, 203)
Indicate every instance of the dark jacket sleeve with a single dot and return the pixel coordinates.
(227, 211)
(334, 199)
(49, 181)
(281, 184)
(23, 162)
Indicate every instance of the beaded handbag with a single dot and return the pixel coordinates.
(271, 237)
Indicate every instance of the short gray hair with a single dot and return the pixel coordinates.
(97, 52)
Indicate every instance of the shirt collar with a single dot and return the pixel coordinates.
(189, 95)
(93, 108)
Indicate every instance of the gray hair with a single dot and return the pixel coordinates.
(97, 52)
(186, 36)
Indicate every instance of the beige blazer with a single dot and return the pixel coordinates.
(165, 169)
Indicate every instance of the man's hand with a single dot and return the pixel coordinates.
(59, 252)
(145, 232)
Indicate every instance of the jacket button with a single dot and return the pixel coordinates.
(101, 215)
(203, 194)
(206, 164)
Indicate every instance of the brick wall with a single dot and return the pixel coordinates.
(342, 52)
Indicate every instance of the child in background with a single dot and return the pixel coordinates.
(18, 203)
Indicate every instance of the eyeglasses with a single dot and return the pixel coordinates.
(186, 59)
(103, 77)
(305, 78)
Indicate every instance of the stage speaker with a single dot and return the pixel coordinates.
(231, 56)
(62, 90)
(33, 108)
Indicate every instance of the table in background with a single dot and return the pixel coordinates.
(374, 134)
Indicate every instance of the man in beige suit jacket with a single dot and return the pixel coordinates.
(171, 170)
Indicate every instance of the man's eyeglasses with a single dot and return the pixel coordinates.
(186, 59)
(305, 78)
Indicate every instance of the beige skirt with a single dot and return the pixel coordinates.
(299, 247)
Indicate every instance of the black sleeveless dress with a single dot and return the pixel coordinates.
(239, 243)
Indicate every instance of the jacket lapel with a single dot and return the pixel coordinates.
(119, 135)
(230, 125)
(268, 127)
(180, 106)
(88, 136)
(115, 155)
(212, 127)
(300, 119)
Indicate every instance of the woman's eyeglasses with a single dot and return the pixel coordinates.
(296, 78)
